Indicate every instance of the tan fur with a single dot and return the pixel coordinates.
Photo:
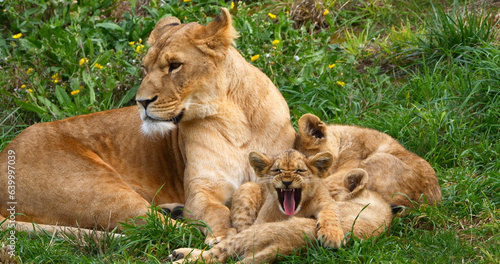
(290, 170)
(362, 213)
(100, 169)
(399, 175)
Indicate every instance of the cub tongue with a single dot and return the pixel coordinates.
(289, 202)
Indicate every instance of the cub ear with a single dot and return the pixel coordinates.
(162, 27)
(321, 163)
(311, 129)
(355, 180)
(218, 35)
(260, 162)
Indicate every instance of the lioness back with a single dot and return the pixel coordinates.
(91, 169)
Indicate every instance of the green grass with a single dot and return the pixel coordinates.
(427, 73)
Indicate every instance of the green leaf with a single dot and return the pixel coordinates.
(110, 25)
(104, 58)
(30, 107)
(62, 96)
(51, 106)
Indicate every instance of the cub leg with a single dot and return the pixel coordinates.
(328, 226)
(246, 204)
(396, 181)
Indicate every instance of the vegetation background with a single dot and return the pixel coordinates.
(427, 73)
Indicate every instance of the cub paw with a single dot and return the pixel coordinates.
(179, 254)
(212, 240)
(330, 237)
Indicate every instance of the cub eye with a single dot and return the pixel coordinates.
(174, 66)
(299, 170)
(277, 170)
(144, 70)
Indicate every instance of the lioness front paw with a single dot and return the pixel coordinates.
(330, 236)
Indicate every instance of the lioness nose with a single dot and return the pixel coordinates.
(146, 102)
(287, 183)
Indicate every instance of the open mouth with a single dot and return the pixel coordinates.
(289, 199)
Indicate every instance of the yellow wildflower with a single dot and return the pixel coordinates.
(29, 70)
(83, 61)
(75, 92)
(23, 86)
(271, 15)
(187, 0)
(29, 90)
(276, 41)
(98, 66)
(326, 12)
(254, 57)
(17, 36)
(340, 83)
(55, 78)
(131, 43)
(140, 41)
(139, 48)
(232, 5)
(331, 66)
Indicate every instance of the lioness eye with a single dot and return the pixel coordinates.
(299, 170)
(277, 170)
(174, 66)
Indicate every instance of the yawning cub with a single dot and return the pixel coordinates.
(290, 183)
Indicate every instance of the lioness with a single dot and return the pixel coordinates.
(399, 175)
(362, 212)
(203, 108)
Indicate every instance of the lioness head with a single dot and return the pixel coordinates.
(291, 177)
(183, 71)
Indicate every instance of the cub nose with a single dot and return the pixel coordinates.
(287, 183)
(146, 102)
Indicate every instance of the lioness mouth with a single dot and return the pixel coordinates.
(289, 199)
(176, 119)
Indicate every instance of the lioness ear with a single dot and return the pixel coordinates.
(260, 162)
(355, 180)
(321, 162)
(311, 129)
(161, 27)
(218, 35)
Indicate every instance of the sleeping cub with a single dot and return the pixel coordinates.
(291, 185)
(397, 174)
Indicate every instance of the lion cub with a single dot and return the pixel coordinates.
(290, 185)
(397, 174)
(362, 212)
